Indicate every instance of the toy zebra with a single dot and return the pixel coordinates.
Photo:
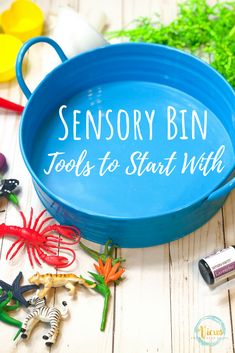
(44, 313)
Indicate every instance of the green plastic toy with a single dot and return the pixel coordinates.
(7, 186)
(5, 309)
(109, 271)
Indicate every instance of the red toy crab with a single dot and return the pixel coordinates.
(41, 241)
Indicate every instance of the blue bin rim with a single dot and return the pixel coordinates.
(93, 52)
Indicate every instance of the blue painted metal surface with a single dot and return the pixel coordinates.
(152, 197)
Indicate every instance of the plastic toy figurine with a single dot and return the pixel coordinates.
(109, 270)
(44, 313)
(41, 242)
(7, 186)
(5, 309)
(17, 290)
(108, 252)
(58, 280)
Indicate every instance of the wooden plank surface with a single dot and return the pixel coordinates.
(162, 299)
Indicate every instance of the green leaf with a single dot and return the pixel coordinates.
(97, 277)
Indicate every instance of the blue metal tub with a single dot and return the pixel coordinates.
(133, 142)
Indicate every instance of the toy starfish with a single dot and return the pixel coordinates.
(5, 308)
(17, 290)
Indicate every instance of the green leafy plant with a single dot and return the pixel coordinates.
(200, 29)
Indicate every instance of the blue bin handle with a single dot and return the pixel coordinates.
(222, 191)
(22, 52)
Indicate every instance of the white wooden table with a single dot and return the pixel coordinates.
(158, 305)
